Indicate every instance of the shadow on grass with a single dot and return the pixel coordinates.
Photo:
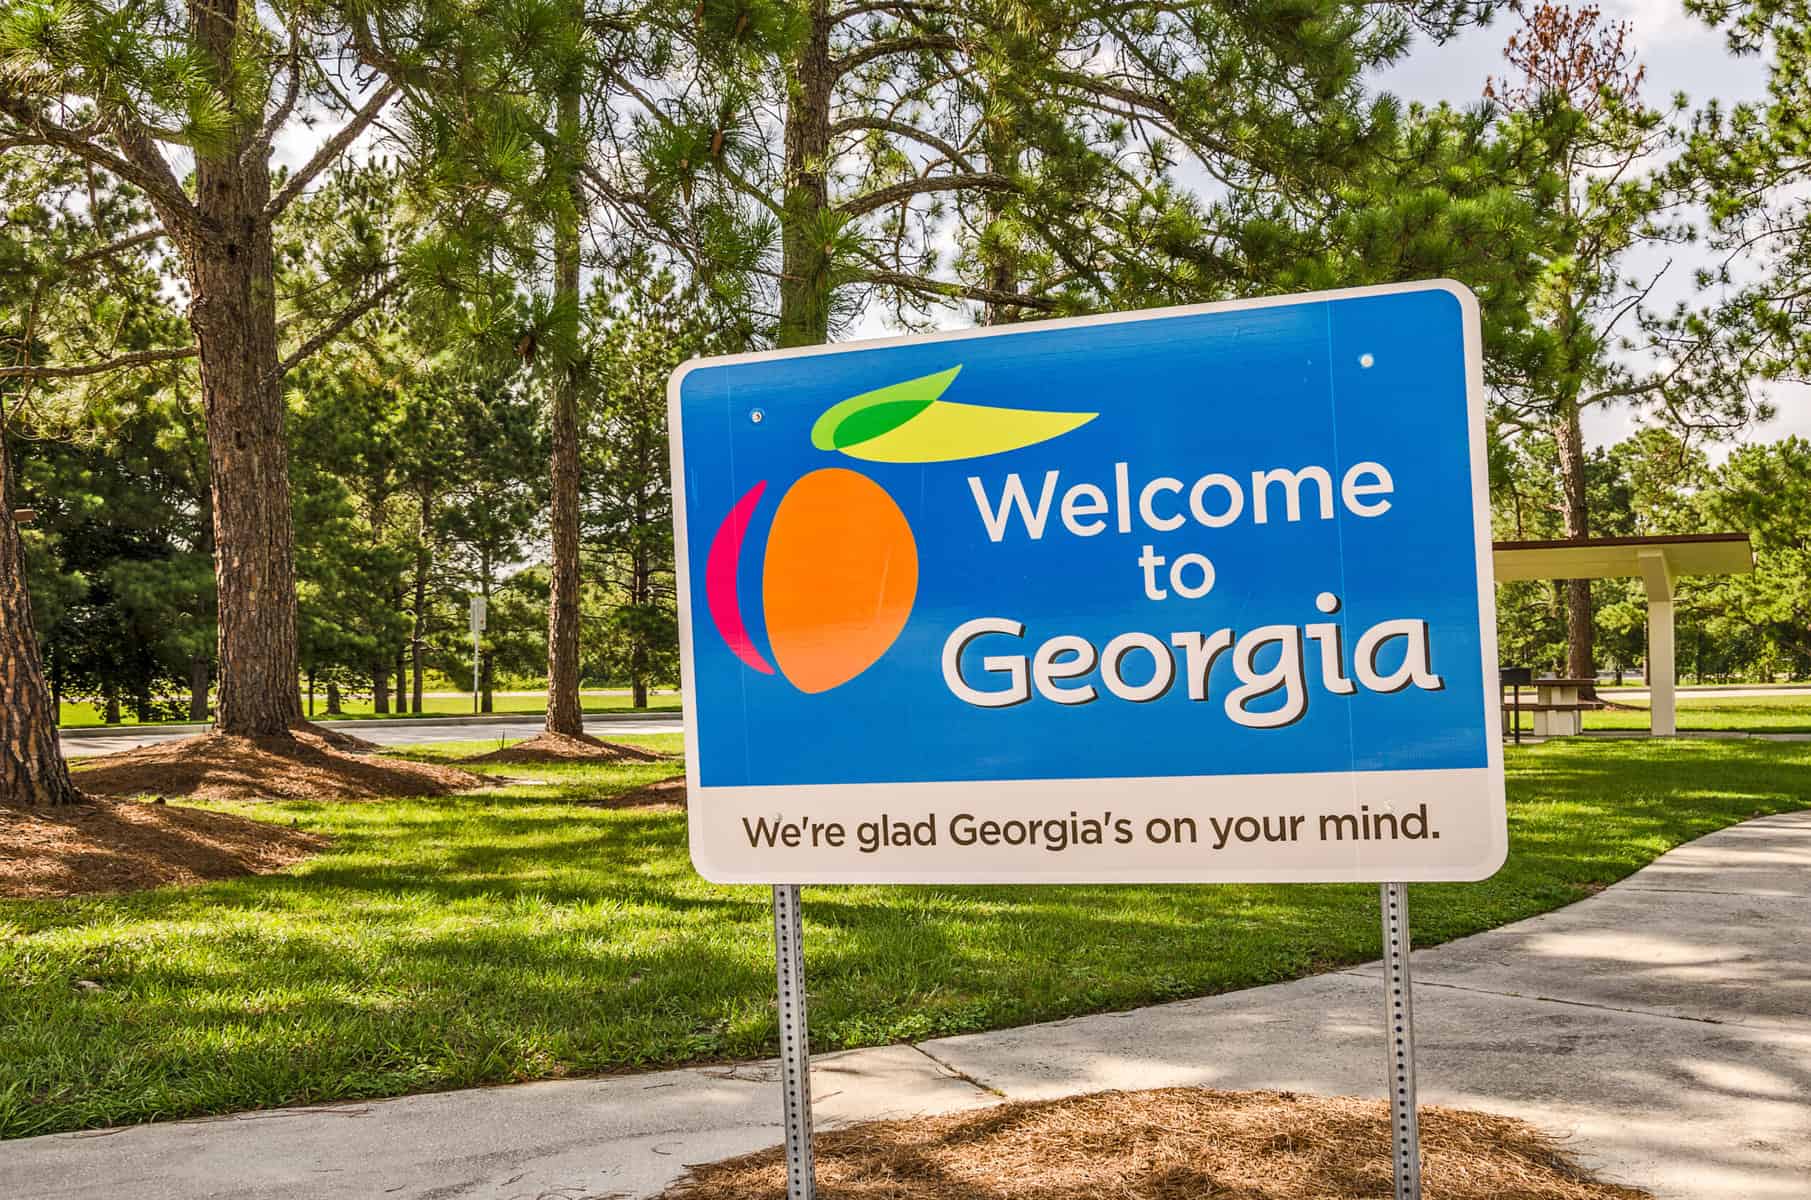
(517, 934)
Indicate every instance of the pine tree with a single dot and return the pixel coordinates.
(348, 428)
(1766, 489)
(1574, 90)
(1460, 195)
(495, 492)
(504, 111)
(1752, 162)
(121, 497)
(836, 139)
(642, 330)
(32, 771)
(60, 248)
(564, 714)
(119, 89)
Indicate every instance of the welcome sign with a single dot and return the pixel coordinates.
(1194, 594)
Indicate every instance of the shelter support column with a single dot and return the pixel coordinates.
(1657, 574)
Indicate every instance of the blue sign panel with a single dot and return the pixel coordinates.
(1158, 572)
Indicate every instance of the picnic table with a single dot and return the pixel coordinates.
(1559, 706)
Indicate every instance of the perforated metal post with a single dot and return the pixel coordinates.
(795, 1055)
(1399, 1009)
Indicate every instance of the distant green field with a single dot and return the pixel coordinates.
(1752, 714)
(1634, 684)
(1705, 714)
(77, 715)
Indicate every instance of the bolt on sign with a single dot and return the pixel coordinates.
(1197, 594)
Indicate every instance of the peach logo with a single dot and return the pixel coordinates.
(840, 571)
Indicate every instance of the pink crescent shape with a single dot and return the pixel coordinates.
(720, 567)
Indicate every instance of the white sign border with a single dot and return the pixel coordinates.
(700, 799)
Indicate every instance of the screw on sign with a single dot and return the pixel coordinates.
(1189, 595)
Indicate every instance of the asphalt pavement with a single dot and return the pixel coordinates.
(81, 743)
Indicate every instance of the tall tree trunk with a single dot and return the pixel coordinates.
(1575, 513)
(378, 498)
(110, 702)
(200, 673)
(233, 310)
(563, 712)
(419, 633)
(201, 665)
(805, 275)
(485, 701)
(32, 771)
(402, 683)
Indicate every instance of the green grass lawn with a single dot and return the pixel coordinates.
(1703, 714)
(519, 934)
(81, 714)
(1634, 683)
(1754, 714)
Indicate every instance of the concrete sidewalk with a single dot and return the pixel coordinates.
(1665, 1025)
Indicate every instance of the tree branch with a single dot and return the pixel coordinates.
(142, 166)
(899, 45)
(905, 190)
(955, 291)
(339, 324)
(892, 6)
(138, 358)
(330, 151)
(112, 248)
(888, 125)
(275, 121)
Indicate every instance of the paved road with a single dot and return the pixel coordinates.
(77, 744)
(1661, 1025)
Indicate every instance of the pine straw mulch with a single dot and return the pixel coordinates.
(566, 747)
(311, 764)
(667, 795)
(102, 846)
(1168, 1144)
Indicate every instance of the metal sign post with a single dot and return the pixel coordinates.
(478, 624)
(795, 1049)
(1399, 1014)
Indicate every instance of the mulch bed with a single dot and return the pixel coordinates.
(1168, 1144)
(105, 846)
(310, 764)
(668, 794)
(562, 747)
